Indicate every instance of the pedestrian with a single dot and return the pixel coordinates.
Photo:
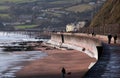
(115, 38)
(63, 71)
(92, 33)
(109, 38)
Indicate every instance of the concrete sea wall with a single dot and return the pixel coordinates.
(95, 46)
(84, 43)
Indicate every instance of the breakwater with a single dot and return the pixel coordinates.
(82, 42)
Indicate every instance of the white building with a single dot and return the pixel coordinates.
(75, 26)
(70, 27)
(80, 24)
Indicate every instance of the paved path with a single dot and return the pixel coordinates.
(109, 64)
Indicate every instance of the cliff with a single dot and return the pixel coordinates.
(108, 14)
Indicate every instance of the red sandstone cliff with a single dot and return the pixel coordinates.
(108, 14)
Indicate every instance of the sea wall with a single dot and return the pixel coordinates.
(81, 42)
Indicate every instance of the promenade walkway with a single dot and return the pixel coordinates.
(108, 66)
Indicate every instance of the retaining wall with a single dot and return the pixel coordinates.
(87, 44)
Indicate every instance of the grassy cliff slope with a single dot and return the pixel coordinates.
(109, 14)
(80, 8)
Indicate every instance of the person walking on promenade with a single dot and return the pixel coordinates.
(63, 71)
(115, 38)
(109, 38)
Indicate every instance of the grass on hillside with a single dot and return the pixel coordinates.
(4, 15)
(80, 8)
(109, 14)
(3, 8)
(65, 1)
(54, 14)
(16, 1)
(25, 26)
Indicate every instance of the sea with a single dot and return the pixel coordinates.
(12, 62)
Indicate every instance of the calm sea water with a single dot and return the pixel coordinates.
(11, 62)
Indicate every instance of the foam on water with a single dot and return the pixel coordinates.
(6, 37)
(11, 62)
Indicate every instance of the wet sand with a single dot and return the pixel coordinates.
(50, 66)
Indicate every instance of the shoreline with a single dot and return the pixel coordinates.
(50, 66)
